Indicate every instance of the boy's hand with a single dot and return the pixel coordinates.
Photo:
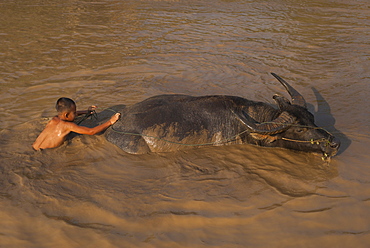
(115, 118)
(91, 109)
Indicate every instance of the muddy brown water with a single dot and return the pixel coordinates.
(89, 193)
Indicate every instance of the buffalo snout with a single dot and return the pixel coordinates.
(335, 143)
(331, 147)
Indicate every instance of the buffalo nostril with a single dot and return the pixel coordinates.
(334, 145)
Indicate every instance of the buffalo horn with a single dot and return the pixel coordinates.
(297, 99)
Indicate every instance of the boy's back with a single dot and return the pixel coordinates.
(53, 135)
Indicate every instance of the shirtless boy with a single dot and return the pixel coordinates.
(61, 125)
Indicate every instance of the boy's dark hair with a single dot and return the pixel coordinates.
(65, 104)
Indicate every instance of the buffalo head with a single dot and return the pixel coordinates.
(292, 127)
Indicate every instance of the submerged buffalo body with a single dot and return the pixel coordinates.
(172, 122)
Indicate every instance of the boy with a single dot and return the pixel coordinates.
(61, 125)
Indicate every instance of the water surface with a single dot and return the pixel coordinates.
(89, 193)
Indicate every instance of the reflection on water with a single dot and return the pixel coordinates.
(89, 193)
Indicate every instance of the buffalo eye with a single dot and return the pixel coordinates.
(300, 130)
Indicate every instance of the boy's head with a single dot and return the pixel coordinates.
(66, 108)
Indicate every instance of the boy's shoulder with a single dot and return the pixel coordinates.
(56, 121)
(60, 124)
(64, 123)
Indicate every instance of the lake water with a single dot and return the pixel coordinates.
(89, 193)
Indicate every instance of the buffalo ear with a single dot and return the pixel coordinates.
(282, 102)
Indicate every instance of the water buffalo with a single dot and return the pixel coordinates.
(172, 122)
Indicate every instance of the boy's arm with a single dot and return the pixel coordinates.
(81, 112)
(72, 127)
(90, 109)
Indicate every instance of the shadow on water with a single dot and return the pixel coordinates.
(325, 119)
